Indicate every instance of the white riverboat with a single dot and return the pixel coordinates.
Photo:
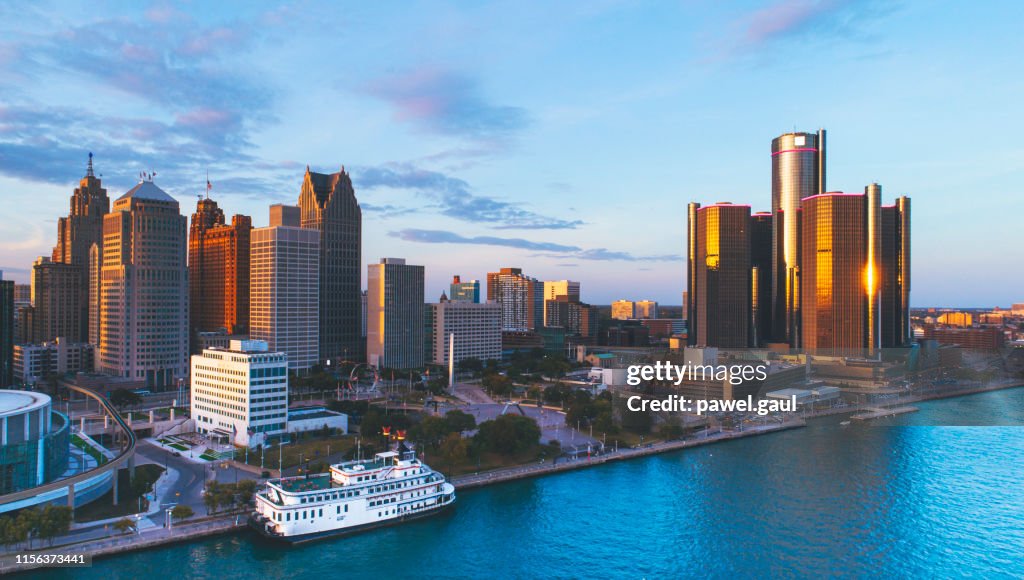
(392, 487)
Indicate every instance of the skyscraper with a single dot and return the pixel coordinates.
(721, 291)
(328, 204)
(554, 289)
(77, 233)
(460, 291)
(521, 298)
(57, 301)
(395, 317)
(218, 264)
(854, 282)
(284, 289)
(6, 333)
(798, 172)
(761, 278)
(477, 329)
(144, 288)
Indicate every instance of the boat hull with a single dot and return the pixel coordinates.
(346, 531)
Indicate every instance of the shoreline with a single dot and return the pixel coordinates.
(226, 523)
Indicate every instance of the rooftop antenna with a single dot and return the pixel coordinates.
(88, 171)
(209, 185)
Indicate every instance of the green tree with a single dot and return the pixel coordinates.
(212, 497)
(638, 422)
(497, 384)
(459, 421)
(181, 512)
(27, 524)
(246, 489)
(124, 525)
(508, 434)
(54, 521)
(471, 365)
(453, 450)
(122, 398)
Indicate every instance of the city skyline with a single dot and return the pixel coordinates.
(482, 149)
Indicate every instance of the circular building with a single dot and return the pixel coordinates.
(34, 440)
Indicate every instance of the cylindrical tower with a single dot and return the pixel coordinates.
(903, 205)
(873, 271)
(691, 273)
(798, 171)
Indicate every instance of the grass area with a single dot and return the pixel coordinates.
(313, 448)
(488, 461)
(179, 446)
(89, 449)
(127, 497)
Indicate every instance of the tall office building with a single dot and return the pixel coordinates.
(6, 333)
(284, 288)
(798, 172)
(553, 290)
(645, 309)
(477, 329)
(761, 278)
(57, 301)
(218, 268)
(895, 278)
(521, 298)
(77, 233)
(854, 284)
(144, 288)
(460, 291)
(394, 315)
(720, 294)
(577, 318)
(328, 204)
(24, 313)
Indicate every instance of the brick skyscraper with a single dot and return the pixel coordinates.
(218, 265)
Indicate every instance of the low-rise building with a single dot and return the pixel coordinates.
(240, 393)
(36, 362)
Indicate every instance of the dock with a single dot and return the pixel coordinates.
(878, 413)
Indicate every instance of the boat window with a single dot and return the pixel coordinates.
(321, 514)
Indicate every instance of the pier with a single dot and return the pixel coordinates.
(877, 412)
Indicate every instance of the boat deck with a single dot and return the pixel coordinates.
(312, 483)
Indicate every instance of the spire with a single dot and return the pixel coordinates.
(444, 297)
(88, 171)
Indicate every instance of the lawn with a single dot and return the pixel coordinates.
(488, 461)
(313, 448)
(89, 449)
(179, 447)
(128, 495)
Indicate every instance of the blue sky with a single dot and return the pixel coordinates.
(564, 138)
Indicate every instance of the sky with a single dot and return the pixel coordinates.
(565, 138)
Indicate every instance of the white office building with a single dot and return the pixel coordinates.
(240, 393)
(477, 329)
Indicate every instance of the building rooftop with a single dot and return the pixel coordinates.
(148, 190)
(18, 402)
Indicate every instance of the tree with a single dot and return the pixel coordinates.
(181, 512)
(471, 365)
(122, 398)
(54, 521)
(454, 449)
(459, 421)
(124, 525)
(638, 422)
(508, 434)
(27, 523)
(497, 384)
(212, 497)
(246, 489)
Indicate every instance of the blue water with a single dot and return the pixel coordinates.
(904, 498)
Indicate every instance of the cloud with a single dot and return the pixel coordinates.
(193, 109)
(547, 249)
(454, 198)
(447, 103)
(805, 20)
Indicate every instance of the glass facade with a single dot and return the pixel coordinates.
(723, 276)
(37, 460)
